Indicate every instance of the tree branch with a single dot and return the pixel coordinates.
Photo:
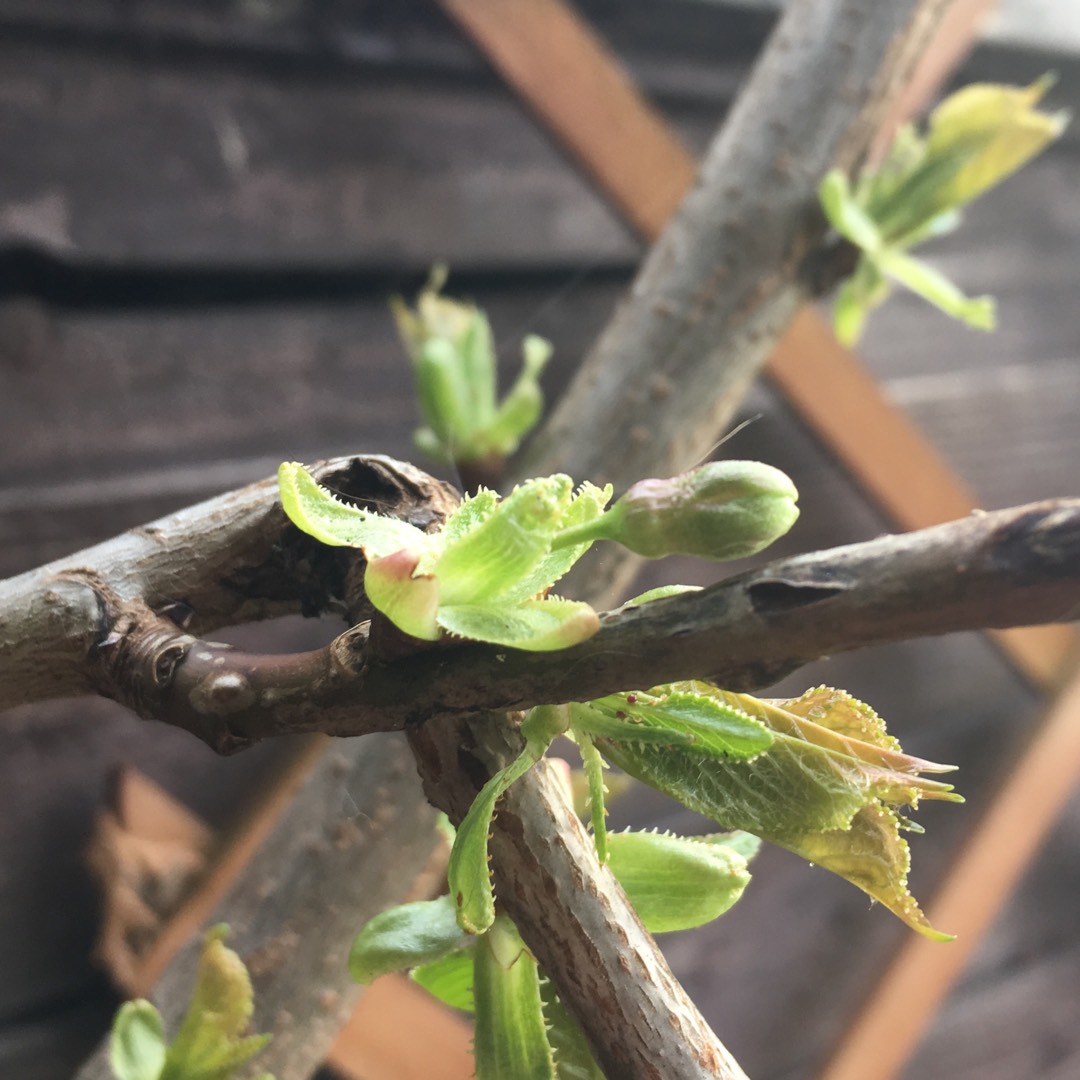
(740, 257)
(1007, 568)
(229, 560)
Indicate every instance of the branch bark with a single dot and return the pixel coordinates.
(740, 257)
(229, 560)
(1007, 568)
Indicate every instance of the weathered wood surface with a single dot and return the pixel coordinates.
(388, 147)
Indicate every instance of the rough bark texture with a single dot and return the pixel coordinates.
(1007, 568)
(735, 263)
(226, 561)
(611, 974)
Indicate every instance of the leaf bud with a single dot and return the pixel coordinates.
(722, 510)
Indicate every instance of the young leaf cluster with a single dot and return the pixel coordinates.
(974, 139)
(486, 574)
(453, 358)
(211, 1044)
(522, 1030)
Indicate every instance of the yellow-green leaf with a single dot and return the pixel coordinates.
(996, 129)
(511, 1040)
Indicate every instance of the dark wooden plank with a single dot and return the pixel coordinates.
(184, 162)
(1017, 1013)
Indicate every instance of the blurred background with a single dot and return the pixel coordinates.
(203, 209)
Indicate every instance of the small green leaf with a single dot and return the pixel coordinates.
(573, 1059)
(406, 936)
(453, 357)
(601, 722)
(410, 600)
(506, 545)
(444, 394)
(470, 513)
(223, 1060)
(468, 871)
(317, 512)
(713, 727)
(934, 287)
(521, 408)
(535, 625)
(511, 1038)
(477, 351)
(845, 215)
(660, 593)
(997, 128)
(871, 854)
(675, 882)
(213, 1027)
(137, 1043)
(450, 978)
(743, 843)
(587, 506)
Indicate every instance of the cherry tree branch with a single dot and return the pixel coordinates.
(1007, 568)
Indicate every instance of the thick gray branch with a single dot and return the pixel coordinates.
(737, 261)
(229, 560)
(1007, 568)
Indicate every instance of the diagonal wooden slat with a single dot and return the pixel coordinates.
(981, 878)
(576, 87)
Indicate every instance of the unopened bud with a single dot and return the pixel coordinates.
(723, 510)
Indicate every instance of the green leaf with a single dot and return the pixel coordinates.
(812, 782)
(314, 510)
(511, 1039)
(675, 882)
(211, 1037)
(535, 625)
(573, 1059)
(587, 506)
(137, 1043)
(997, 128)
(468, 871)
(450, 344)
(444, 393)
(520, 410)
(742, 843)
(660, 593)
(450, 978)
(934, 287)
(600, 723)
(406, 936)
(508, 544)
(594, 771)
(714, 727)
(845, 215)
(871, 854)
(223, 1060)
(471, 512)
(477, 352)
(865, 290)
(410, 600)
